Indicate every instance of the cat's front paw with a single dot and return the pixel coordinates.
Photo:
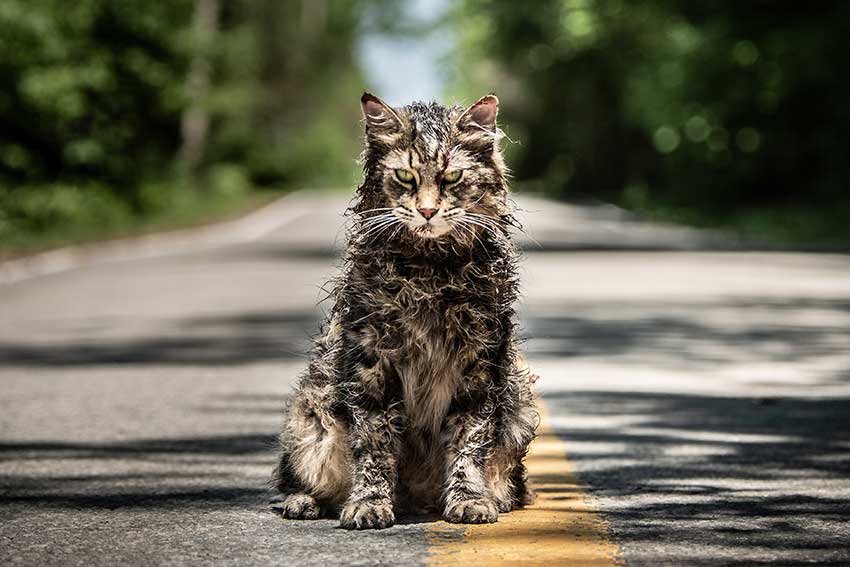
(296, 507)
(477, 511)
(367, 514)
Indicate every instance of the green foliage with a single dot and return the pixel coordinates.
(289, 70)
(38, 209)
(717, 110)
(34, 218)
(90, 89)
(94, 93)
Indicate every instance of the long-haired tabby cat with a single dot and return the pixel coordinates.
(415, 397)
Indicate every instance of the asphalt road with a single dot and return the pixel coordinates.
(703, 396)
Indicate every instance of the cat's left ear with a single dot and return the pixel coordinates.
(380, 117)
(481, 115)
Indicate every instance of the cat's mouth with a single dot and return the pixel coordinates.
(430, 230)
(434, 226)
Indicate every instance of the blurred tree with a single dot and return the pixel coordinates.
(105, 103)
(195, 123)
(102, 89)
(290, 65)
(90, 89)
(704, 110)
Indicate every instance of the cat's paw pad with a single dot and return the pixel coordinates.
(297, 507)
(478, 511)
(367, 514)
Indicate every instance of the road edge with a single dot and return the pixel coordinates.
(250, 226)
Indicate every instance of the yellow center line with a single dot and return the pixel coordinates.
(561, 528)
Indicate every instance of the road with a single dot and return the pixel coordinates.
(698, 402)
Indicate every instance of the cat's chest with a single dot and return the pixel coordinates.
(432, 300)
(438, 342)
(435, 324)
(428, 360)
(434, 319)
(429, 373)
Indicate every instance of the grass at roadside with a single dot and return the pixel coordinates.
(817, 227)
(804, 229)
(45, 217)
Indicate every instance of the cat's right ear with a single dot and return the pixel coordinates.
(380, 117)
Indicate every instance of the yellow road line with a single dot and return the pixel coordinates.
(560, 529)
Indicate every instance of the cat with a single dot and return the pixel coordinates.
(416, 397)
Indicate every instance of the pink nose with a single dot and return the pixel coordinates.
(427, 213)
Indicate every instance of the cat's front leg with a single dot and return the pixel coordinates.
(468, 436)
(375, 444)
(375, 435)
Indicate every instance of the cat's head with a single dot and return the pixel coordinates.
(432, 172)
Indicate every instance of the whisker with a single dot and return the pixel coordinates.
(490, 222)
(367, 222)
(510, 221)
(380, 226)
(367, 229)
(483, 224)
(396, 231)
(489, 218)
(496, 234)
(384, 228)
(466, 229)
(478, 200)
(476, 237)
(504, 224)
(472, 222)
(372, 213)
(384, 214)
(376, 219)
(380, 223)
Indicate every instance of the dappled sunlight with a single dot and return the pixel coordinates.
(711, 472)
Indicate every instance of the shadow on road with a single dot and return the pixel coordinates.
(733, 480)
(695, 335)
(714, 473)
(674, 334)
(215, 340)
(212, 472)
(217, 498)
(143, 449)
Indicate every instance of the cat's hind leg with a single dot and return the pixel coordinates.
(297, 506)
(313, 475)
(506, 473)
(508, 481)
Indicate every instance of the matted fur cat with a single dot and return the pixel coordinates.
(415, 397)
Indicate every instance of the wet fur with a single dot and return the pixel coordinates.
(416, 397)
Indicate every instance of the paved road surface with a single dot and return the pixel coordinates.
(703, 398)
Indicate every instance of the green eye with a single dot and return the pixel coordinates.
(404, 175)
(452, 176)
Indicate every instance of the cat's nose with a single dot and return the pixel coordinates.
(427, 213)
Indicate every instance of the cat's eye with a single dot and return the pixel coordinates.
(404, 175)
(452, 176)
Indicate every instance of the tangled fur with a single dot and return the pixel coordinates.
(416, 397)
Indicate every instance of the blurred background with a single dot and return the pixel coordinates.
(700, 378)
(116, 120)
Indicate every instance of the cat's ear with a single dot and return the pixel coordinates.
(380, 117)
(481, 115)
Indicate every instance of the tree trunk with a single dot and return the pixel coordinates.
(195, 121)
